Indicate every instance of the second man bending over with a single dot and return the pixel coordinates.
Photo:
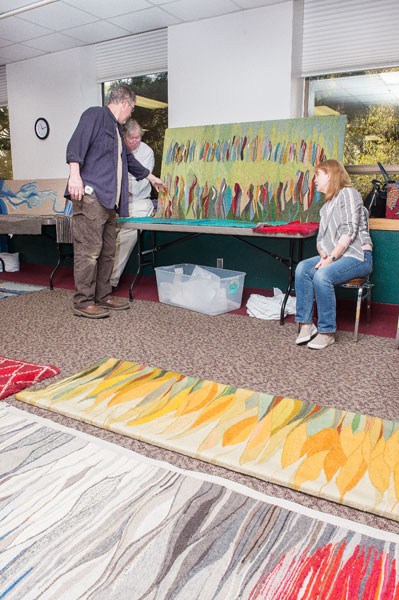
(140, 203)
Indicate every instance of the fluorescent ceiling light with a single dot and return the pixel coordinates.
(23, 9)
(390, 77)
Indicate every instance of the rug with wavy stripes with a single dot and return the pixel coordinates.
(83, 518)
(335, 454)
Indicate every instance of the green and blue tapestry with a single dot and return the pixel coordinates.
(256, 171)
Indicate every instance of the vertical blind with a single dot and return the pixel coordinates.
(349, 35)
(133, 55)
(3, 86)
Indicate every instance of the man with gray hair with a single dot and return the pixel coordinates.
(140, 203)
(99, 162)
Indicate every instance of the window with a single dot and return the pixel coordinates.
(151, 110)
(370, 100)
(5, 145)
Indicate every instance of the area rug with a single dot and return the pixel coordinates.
(83, 518)
(11, 288)
(342, 456)
(15, 375)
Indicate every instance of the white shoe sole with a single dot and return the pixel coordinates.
(315, 346)
(307, 338)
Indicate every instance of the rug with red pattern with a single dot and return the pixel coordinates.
(15, 375)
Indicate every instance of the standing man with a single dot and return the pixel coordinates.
(140, 203)
(98, 187)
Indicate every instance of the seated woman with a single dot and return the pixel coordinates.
(345, 251)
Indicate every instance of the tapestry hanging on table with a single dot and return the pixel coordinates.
(42, 197)
(256, 171)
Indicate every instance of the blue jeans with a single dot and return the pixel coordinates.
(313, 283)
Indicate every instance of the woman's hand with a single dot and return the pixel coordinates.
(324, 261)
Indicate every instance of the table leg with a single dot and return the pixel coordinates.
(290, 280)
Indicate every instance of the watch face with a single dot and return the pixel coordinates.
(42, 128)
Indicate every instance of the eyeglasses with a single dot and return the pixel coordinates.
(130, 104)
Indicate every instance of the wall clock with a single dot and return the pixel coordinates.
(42, 128)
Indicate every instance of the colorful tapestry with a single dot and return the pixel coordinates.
(15, 375)
(335, 454)
(83, 518)
(41, 197)
(259, 171)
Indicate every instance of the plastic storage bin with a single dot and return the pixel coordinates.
(10, 260)
(203, 289)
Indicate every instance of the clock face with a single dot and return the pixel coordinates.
(42, 128)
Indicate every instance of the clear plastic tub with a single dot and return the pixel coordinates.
(203, 289)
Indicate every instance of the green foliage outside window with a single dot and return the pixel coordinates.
(5, 145)
(153, 121)
(372, 133)
(370, 138)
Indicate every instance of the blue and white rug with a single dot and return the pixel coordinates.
(9, 289)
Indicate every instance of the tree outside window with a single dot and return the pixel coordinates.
(151, 109)
(5, 145)
(371, 102)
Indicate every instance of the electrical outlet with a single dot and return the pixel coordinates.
(219, 263)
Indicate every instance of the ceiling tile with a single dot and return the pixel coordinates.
(97, 32)
(256, 3)
(164, 3)
(58, 16)
(54, 42)
(6, 5)
(189, 10)
(145, 20)
(109, 8)
(17, 52)
(4, 42)
(16, 30)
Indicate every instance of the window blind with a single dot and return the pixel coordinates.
(133, 55)
(349, 35)
(3, 86)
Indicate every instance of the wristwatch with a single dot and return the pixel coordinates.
(333, 258)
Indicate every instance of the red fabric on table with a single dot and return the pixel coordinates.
(15, 375)
(293, 227)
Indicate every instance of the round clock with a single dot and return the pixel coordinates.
(42, 128)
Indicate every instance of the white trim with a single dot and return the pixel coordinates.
(227, 483)
(132, 56)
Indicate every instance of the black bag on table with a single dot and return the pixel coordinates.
(376, 200)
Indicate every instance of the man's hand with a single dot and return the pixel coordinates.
(75, 183)
(157, 183)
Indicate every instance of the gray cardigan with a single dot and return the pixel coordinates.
(343, 220)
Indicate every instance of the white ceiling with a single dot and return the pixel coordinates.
(54, 25)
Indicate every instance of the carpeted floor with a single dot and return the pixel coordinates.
(260, 355)
(383, 322)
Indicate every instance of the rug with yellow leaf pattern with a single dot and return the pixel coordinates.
(339, 455)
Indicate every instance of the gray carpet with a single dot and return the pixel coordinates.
(242, 351)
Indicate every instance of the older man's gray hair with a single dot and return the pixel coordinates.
(120, 93)
(131, 126)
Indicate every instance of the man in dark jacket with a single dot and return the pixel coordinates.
(99, 162)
